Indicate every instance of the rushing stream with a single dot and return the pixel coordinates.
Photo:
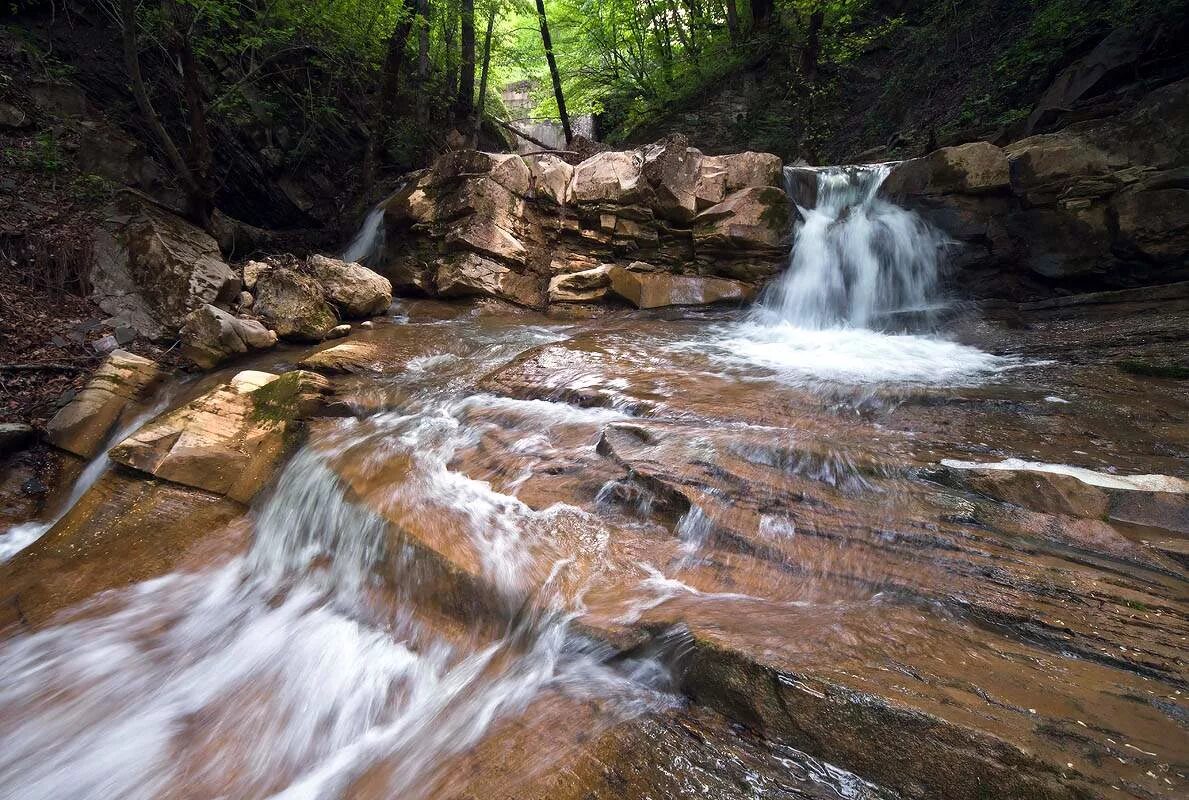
(330, 657)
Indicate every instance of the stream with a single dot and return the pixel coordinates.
(508, 569)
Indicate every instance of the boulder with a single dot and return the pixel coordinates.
(549, 177)
(151, 267)
(12, 117)
(1152, 216)
(292, 304)
(506, 169)
(252, 272)
(230, 440)
(1043, 167)
(674, 171)
(338, 331)
(580, 287)
(470, 275)
(974, 168)
(746, 170)
(343, 358)
(210, 335)
(610, 177)
(353, 289)
(750, 219)
(108, 400)
(483, 236)
(657, 289)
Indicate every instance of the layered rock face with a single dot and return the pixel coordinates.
(518, 228)
(1098, 204)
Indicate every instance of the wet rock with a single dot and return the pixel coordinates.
(580, 287)
(975, 168)
(230, 440)
(292, 304)
(469, 275)
(151, 267)
(353, 289)
(1039, 491)
(210, 336)
(109, 398)
(342, 358)
(338, 331)
(750, 219)
(656, 289)
(15, 436)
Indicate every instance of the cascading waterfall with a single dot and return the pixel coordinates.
(863, 271)
(368, 242)
(859, 260)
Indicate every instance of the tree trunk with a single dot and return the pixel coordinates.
(813, 45)
(732, 20)
(385, 105)
(449, 29)
(483, 76)
(761, 13)
(201, 157)
(557, 93)
(423, 20)
(465, 105)
(195, 195)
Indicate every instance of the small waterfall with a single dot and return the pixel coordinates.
(367, 245)
(858, 261)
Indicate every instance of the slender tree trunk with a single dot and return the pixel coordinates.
(465, 105)
(449, 30)
(201, 157)
(813, 44)
(483, 75)
(732, 20)
(194, 191)
(423, 21)
(385, 105)
(553, 74)
(675, 18)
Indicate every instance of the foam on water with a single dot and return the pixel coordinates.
(859, 301)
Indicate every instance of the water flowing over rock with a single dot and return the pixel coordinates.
(231, 439)
(109, 399)
(508, 226)
(151, 267)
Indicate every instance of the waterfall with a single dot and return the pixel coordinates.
(858, 261)
(368, 243)
(862, 274)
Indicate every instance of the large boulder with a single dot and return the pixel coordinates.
(585, 286)
(109, 401)
(353, 289)
(549, 177)
(745, 170)
(292, 304)
(471, 275)
(230, 440)
(610, 177)
(210, 336)
(975, 168)
(659, 289)
(151, 267)
(1152, 216)
(750, 219)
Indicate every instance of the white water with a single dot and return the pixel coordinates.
(18, 537)
(1107, 480)
(368, 243)
(278, 673)
(861, 273)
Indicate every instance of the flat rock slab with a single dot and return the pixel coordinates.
(110, 398)
(230, 440)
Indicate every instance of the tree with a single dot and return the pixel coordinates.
(465, 105)
(761, 13)
(483, 78)
(553, 73)
(195, 169)
(385, 104)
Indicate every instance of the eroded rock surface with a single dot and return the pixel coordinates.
(210, 335)
(122, 382)
(230, 440)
